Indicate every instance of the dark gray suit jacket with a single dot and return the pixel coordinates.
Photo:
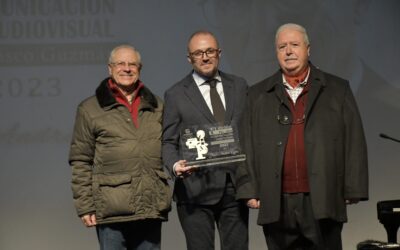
(185, 106)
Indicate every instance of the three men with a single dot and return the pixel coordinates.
(306, 150)
(118, 181)
(205, 196)
(302, 132)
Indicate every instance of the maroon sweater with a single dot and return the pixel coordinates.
(295, 176)
(120, 98)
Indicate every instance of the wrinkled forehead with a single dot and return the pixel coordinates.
(125, 54)
(290, 35)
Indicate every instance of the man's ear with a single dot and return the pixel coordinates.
(189, 59)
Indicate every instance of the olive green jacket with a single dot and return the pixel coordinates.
(116, 168)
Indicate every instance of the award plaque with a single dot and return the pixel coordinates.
(210, 144)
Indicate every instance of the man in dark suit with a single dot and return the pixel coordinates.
(205, 196)
(306, 150)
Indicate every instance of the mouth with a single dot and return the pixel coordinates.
(206, 63)
(206, 66)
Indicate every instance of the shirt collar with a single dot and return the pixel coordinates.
(301, 85)
(200, 80)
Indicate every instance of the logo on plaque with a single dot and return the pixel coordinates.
(199, 143)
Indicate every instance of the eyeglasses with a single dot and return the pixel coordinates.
(287, 119)
(121, 65)
(211, 53)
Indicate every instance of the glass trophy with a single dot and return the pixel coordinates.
(210, 145)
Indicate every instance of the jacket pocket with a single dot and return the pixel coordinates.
(113, 195)
(163, 195)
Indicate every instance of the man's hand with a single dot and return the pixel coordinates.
(89, 220)
(181, 170)
(253, 203)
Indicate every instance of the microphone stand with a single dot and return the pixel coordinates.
(385, 136)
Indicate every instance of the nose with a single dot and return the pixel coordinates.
(288, 50)
(126, 67)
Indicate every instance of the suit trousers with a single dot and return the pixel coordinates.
(231, 217)
(298, 229)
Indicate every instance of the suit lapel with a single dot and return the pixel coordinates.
(229, 97)
(316, 84)
(277, 84)
(194, 96)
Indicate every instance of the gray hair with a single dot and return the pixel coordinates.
(124, 46)
(296, 27)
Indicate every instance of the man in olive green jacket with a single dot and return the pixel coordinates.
(118, 182)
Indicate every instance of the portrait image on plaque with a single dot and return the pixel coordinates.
(210, 144)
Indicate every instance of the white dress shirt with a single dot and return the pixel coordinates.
(294, 92)
(205, 88)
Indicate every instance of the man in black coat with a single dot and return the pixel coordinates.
(306, 150)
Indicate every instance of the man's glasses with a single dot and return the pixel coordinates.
(122, 65)
(211, 53)
(286, 119)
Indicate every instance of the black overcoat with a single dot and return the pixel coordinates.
(336, 151)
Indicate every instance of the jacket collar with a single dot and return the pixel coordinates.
(316, 78)
(107, 101)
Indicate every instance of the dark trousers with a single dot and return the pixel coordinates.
(298, 229)
(231, 217)
(134, 235)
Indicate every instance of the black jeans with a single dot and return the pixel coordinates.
(134, 235)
